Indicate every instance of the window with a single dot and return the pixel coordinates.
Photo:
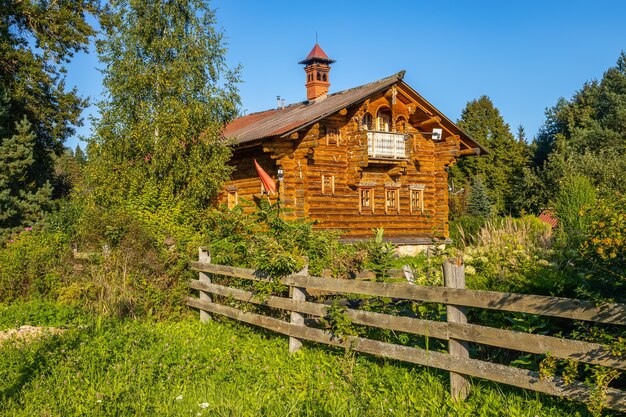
(319, 77)
(324, 77)
(366, 200)
(328, 184)
(383, 120)
(417, 198)
(333, 136)
(392, 200)
(232, 199)
(367, 122)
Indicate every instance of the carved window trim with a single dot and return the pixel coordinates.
(392, 200)
(328, 184)
(366, 200)
(416, 198)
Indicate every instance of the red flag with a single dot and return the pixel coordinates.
(268, 182)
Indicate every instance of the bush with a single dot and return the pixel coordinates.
(34, 264)
(575, 197)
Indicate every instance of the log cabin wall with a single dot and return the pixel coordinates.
(326, 166)
(245, 184)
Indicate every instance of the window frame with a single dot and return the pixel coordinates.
(368, 209)
(331, 185)
(395, 208)
(416, 189)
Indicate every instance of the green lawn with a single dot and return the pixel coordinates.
(111, 367)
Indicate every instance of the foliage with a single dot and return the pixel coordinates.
(503, 166)
(479, 203)
(575, 197)
(603, 261)
(586, 136)
(264, 239)
(168, 95)
(34, 264)
(136, 368)
(37, 39)
(22, 200)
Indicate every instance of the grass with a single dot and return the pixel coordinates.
(112, 367)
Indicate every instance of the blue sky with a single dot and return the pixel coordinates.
(523, 54)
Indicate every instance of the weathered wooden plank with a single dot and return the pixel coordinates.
(592, 353)
(298, 295)
(585, 352)
(368, 318)
(524, 303)
(454, 277)
(615, 399)
(204, 256)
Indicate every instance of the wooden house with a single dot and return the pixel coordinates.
(374, 156)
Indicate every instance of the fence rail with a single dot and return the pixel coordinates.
(455, 330)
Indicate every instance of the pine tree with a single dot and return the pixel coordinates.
(37, 39)
(502, 168)
(479, 202)
(22, 201)
(586, 135)
(79, 156)
(169, 94)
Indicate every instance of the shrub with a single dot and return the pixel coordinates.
(575, 197)
(34, 264)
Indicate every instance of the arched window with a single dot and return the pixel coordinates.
(324, 77)
(319, 77)
(383, 120)
(367, 121)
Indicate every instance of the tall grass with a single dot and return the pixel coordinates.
(114, 367)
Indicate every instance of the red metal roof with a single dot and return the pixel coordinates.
(548, 217)
(317, 53)
(284, 121)
(280, 121)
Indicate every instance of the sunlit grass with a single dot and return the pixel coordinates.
(137, 368)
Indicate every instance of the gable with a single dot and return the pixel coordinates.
(285, 121)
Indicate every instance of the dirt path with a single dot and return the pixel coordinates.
(27, 333)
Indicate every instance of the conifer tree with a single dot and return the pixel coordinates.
(169, 93)
(22, 201)
(503, 166)
(479, 202)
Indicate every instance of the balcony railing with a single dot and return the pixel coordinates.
(386, 145)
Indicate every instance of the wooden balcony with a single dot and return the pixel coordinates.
(386, 145)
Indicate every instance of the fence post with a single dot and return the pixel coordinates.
(298, 294)
(454, 277)
(204, 256)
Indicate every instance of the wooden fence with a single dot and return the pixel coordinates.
(455, 330)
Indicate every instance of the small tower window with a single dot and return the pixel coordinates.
(319, 77)
(324, 77)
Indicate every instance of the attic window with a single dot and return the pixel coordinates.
(383, 120)
(333, 136)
